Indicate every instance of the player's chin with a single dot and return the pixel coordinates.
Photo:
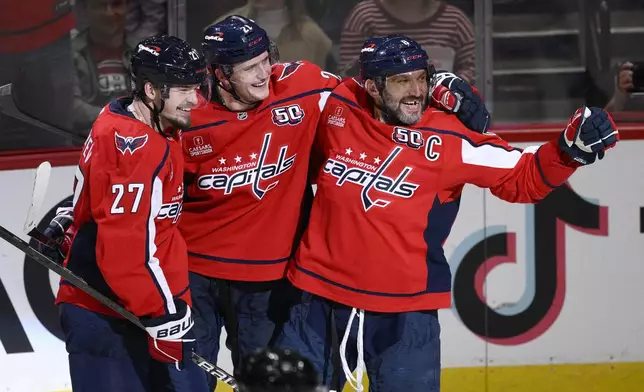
(181, 121)
(409, 116)
(258, 93)
(408, 120)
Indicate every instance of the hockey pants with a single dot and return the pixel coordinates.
(107, 354)
(401, 351)
(251, 312)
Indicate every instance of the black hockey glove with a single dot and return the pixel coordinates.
(454, 95)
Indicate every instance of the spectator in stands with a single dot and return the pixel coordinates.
(287, 23)
(101, 58)
(330, 15)
(144, 18)
(36, 57)
(443, 30)
(622, 99)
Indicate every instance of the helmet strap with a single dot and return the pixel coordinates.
(155, 115)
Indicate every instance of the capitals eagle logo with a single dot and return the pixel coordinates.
(129, 144)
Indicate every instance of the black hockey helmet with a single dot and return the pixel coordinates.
(277, 370)
(234, 40)
(166, 60)
(381, 57)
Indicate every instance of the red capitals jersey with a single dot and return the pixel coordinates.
(246, 177)
(387, 197)
(128, 197)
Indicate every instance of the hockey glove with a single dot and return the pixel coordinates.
(170, 337)
(454, 95)
(61, 231)
(590, 132)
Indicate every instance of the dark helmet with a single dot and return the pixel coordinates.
(166, 61)
(233, 40)
(385, 56)
(277, 370)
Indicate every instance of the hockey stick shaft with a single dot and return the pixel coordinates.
(72, 278)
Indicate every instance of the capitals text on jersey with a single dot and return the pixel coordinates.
(369, 180)
(261, 172)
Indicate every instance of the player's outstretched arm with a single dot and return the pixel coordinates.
(527, 176)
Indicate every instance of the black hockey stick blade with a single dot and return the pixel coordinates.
(72, 278)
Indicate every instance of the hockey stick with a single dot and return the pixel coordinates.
(72, 278)
(41, 182)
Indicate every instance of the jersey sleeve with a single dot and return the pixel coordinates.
(306, 76)
(126, 196)
(512, 174)
(317, 155)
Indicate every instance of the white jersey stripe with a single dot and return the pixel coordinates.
(492, 156)
(153, 261)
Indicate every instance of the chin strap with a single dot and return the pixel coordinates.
(232, 92)
(156, 118)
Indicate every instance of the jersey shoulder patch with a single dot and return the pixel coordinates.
(129, 144)
(299, 76)
(287, 69)
(128, 136)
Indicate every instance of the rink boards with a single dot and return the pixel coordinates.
(546, 297)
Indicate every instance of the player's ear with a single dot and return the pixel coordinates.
(221, 77)
(150, 91)
(372, 89)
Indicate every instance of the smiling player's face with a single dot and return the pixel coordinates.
(405, 96)
(250, 78)
(179, 104)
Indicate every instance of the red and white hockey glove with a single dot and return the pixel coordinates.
(170, 337)
(590, 132)
(454, 95)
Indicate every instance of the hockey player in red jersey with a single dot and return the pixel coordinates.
(390, 173)
(247, 198)
(246, 185)
(127, 203)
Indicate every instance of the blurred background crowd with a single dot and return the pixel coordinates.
(535, 61)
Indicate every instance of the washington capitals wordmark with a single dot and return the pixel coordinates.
(260, 171)
(369, 180)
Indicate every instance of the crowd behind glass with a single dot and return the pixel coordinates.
(544, 65)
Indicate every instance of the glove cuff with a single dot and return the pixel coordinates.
(170, 326)
(573, 156)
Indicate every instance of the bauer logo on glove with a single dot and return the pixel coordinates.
(171, 327)
(589, 133)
